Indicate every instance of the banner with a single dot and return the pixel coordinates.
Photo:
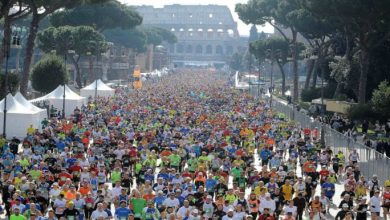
(137, 72)
(137, 84)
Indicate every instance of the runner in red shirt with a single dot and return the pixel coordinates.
(324, 173)
(63, 176)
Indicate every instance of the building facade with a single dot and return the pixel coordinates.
(207, 34)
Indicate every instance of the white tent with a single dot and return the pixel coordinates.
(19, 118)
(55, 98)
(102, 90)
(20, 98)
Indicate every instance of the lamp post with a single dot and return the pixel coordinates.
(63, 96)
(271, 54)
(6, 53)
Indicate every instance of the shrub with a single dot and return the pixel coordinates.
(48, 74)
(381, 99)
(362, 112)
(309, 94)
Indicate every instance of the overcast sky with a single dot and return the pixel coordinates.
(242, 28)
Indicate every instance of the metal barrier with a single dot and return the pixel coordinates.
(371, 161)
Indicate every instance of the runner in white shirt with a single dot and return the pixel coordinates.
(375, 205)
(99, 212)
(290, 208)
(171, 201)
(185, 210)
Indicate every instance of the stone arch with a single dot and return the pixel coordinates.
(219, 49)
(209, 49)
(189, 49)
(199, 49)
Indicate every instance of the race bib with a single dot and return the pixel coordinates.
(59, 210)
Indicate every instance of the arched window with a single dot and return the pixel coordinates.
(209, 49)
(218, 50)
(199, 49)
(180, 48)
(189, 49)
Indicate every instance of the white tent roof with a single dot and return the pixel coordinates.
(58, 93)
(20, 98)
(15, 107)
(101, 86)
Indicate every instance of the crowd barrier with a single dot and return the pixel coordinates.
(371, 161)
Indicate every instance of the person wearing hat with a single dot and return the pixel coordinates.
(373, 184)
(208, 207)
(229, 214)
(150, 212)
(70, 212)
(361, 208)
(122, 212)
(344, 210)
(249, 217)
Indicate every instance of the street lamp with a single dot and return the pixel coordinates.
(14, 43)
(315, 57)
(271, 54)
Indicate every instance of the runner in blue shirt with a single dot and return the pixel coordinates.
(328, 188)
(122, 213)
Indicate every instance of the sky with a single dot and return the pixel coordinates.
(243, 29)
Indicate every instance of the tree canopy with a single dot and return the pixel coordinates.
(83, 40)
(110, 15)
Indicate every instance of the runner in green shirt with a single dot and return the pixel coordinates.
(175, 160)
(17, 215)
(138, 204)
(116, 176)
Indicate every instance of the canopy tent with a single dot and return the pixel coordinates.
(55, 98)
(20, 98)
(102, 90)
(19, 118)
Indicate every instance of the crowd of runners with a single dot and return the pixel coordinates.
(187, 147)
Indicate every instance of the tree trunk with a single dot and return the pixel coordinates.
(29, 53)
(337, 92)
(315, 74)
(90, 70)
(364, 63)
(280, 65)
(6, 39)
(295, 66)
(310, 67)
(77, 69)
